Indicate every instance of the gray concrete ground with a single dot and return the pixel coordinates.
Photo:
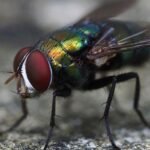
(79, 127)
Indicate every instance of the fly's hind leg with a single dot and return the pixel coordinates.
(21, 119)
(136, 101)
(113, 80)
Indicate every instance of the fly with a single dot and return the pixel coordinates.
(71, 57)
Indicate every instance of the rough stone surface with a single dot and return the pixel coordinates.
(78, 118)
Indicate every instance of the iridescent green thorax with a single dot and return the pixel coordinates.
(61, 47)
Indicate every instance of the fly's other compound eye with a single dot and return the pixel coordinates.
(19, 56)
(38, 71)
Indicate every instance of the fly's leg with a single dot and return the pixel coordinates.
(116, 104)
(52, 121)
(106, 113)
(133, 75)
(63, 93)
(21, 119)
(115, 101)
(137, 98)
(95, 84)
(136, 101)
(99, 83)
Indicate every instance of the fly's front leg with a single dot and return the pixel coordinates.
(62, 93)
(22, 118)
(52, 121)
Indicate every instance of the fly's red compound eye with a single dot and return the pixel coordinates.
(19, 56)
(38, 71)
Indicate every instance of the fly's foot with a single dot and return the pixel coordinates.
(115, 147)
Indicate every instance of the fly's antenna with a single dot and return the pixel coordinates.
(6, 72)
(10, 78)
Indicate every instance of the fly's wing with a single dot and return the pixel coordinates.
(110, 8)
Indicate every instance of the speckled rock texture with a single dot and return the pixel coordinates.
(79, 126)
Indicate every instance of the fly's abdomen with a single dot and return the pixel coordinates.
(133, 57)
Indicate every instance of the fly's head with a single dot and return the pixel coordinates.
(33, 72)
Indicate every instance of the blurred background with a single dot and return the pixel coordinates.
(22, 23)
